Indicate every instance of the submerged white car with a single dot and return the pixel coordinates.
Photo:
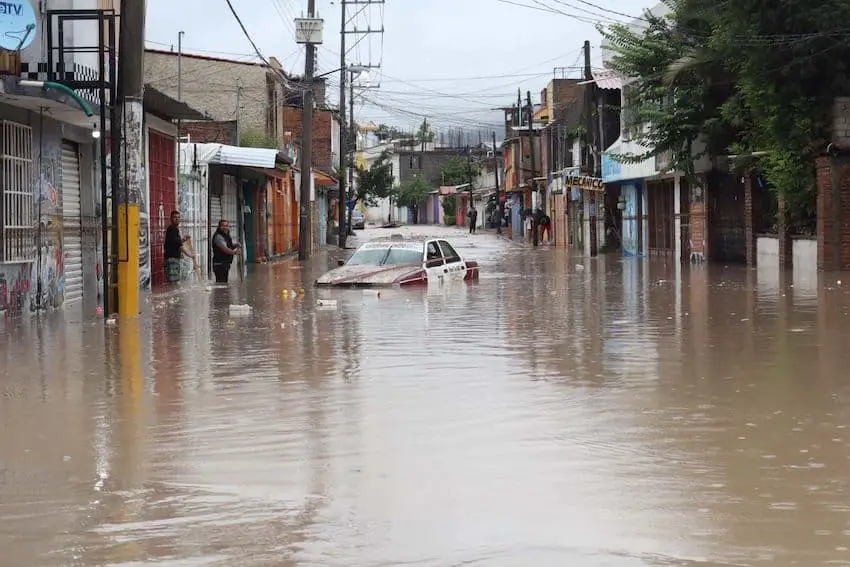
(401, 262)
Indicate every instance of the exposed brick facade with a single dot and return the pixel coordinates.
(211, 132)
(324, 157)
(833, 181)
(698, 231)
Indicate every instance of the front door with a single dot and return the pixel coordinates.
(435, 267)
(455, 268)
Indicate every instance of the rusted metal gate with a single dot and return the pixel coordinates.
(162, 150)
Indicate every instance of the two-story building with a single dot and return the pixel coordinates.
(56, 186)
(252, 104)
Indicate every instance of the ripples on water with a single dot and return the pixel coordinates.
(621, 414)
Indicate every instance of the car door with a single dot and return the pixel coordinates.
(435, 266)
(455, 267)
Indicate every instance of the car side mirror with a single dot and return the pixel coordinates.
(340, 262)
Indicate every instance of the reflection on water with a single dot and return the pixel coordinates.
(563, 411)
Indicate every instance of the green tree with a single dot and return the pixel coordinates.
(425, 133)
(671, 104)
(449, 209)
(375, 182)
(411, 193)
(458, 170)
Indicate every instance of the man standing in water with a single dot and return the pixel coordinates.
(173, 249)
(224, 249)
(473, 219)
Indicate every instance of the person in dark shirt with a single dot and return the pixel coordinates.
(174, 250)
(473, 219)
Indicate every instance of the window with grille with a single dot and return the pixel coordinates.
(17, 243)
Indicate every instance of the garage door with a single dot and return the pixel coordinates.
(72, 241)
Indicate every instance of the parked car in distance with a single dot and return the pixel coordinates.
(396, 261)
(358, 220)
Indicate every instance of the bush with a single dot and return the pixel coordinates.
(450, 220)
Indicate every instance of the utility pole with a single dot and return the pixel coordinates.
(238, 112)
(591, 156)
(353, 145)
(180, 98)
(469, 179)
(499, 206)
(304, 234)
(534, 228)
(131, 94)
(342, 209)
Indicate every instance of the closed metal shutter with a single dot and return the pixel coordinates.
(72, 241)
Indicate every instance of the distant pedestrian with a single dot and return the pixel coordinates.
(473, 219)
(545, 227)
(173, 249)
(224, 249)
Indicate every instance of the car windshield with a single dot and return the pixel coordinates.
(389, 256)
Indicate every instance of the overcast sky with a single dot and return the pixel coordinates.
(450, 60)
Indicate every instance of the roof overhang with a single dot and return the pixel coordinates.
(53, 103)
(221, 154)
(160, 104)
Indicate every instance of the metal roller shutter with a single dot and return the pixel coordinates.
(72, 241)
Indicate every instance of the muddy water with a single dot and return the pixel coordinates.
(560, 412)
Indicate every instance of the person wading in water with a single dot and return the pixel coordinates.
(224, 249)
(173, 249)
(473, 219)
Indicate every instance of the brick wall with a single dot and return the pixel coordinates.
(210, 85)
(698, 231)
(322, 134)
(211, 132)
(833, 181)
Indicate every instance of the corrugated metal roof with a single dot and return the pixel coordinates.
(607, 79)
(234, 155)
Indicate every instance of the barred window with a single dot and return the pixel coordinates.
(17, 239)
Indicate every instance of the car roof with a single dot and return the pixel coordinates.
(416, 244)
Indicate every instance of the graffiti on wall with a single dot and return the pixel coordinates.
(47, 273)
(14, 289)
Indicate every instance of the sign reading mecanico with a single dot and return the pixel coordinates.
(17, 24)
(585, 182)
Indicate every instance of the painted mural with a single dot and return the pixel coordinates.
(40, 285)
(47, 273)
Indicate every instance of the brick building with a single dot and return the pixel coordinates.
(215, 86)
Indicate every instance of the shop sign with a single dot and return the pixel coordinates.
(586, 182)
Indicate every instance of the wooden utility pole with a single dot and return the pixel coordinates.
(590, 140)
(342, 209)
(130, 97)
(304, 226)
(535, 236)
(499, 206)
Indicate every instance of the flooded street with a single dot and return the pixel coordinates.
(561, 411)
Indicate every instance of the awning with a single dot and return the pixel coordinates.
(607, 80)
(232, 155)
(323, 179)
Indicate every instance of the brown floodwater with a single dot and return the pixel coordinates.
(563, 411)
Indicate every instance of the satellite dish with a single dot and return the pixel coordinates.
(17, 25)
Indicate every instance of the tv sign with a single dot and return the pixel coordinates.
(17, 24)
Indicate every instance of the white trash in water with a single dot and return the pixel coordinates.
(240, 310)
(372, 292)
(579, 267)
(326, 302)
